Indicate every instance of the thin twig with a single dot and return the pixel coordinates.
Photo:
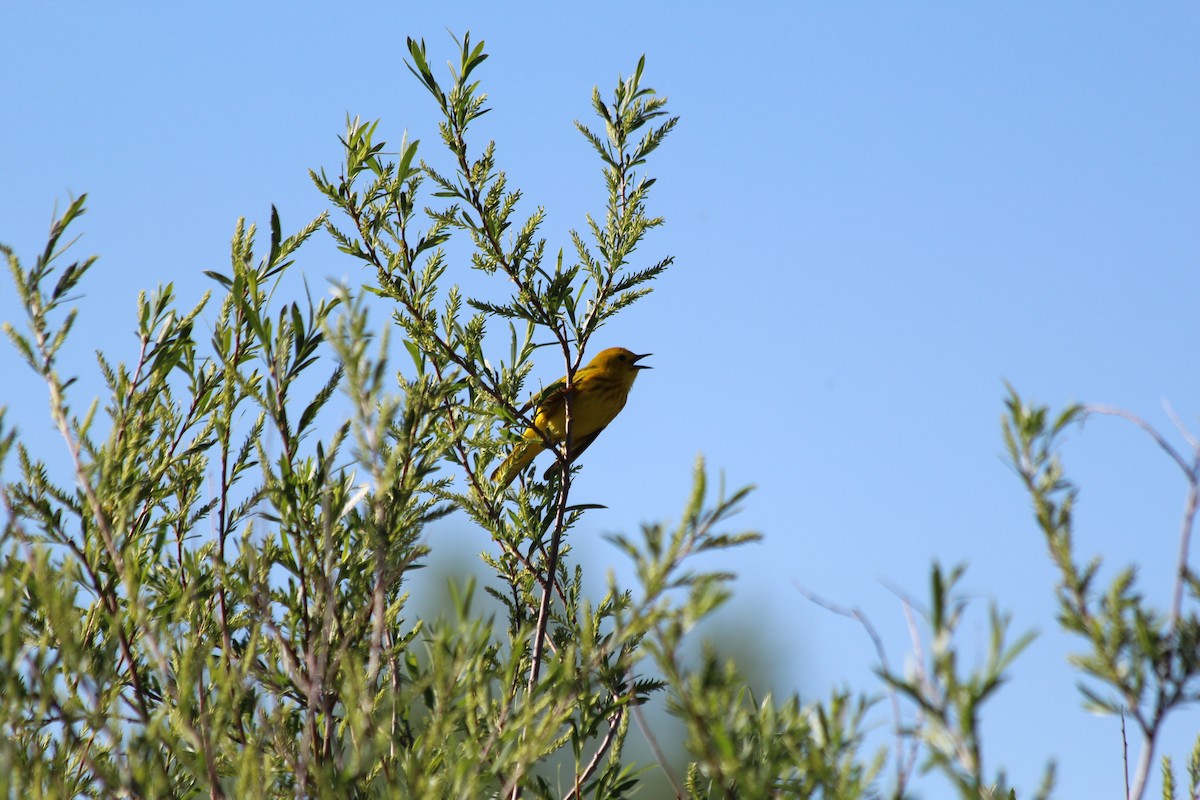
(1149, 429)
(1192, 472)
(560, 514)
(1125, 752)
(1143, 767)
(613, 725)
(902, 770)
(919, 656)
(1186, 526)
(1179, 426)
(672, 778)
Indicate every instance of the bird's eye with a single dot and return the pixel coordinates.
(621, 357)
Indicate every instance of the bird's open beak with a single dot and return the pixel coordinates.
(639, 358)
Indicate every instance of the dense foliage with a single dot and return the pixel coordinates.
(209, 595)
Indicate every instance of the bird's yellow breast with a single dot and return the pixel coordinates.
(594, 404)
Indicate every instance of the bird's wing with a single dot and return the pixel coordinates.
(549, 402)
(576, 451)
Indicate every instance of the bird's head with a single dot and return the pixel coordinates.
(619, 362)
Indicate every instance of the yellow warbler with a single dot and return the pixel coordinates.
(598, 394)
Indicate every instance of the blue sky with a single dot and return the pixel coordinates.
(879, 213)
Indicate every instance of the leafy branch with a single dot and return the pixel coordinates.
(1150, 661)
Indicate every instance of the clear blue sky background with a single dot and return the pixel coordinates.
(878, 214)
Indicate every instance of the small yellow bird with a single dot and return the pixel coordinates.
(598, 394)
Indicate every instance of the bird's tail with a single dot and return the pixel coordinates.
(519, 459)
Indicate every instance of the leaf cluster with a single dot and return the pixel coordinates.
(216, 600)
(1140, 661)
